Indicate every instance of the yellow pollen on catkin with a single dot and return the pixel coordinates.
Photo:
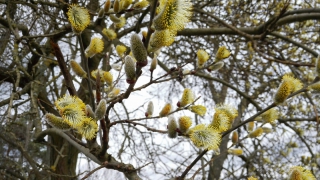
(77, 69)
(121, 49)
(165, 110)
(256, 133)
(107, 77)
(141, 4)
(300, 173)
(78, 17)
(288, 85)
(124, 4)
(230, 111)
(187, 97)
(160, 39)
(185, 123)
(57, 122)
(109, 33)
(87, 128)
(198, 109)
(173, 14)
(204, 137)
(315, 86)
(220, 121)
(270, 116)
(203, 57)
(296, 83)
(236, 152)
(114, 92)
(121, 23)
(96, 46)
(67, 100)
(222, 53)
(72, 114)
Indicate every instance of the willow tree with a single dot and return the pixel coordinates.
(159, 89)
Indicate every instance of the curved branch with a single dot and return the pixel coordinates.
(54, 131)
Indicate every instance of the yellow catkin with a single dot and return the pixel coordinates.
(288, 85)
(187, 97)
(57, 122)
(121, 50)
(78, 17)
(114, 92)
(315, 86)
(165, 110)
(256, 133)
(198, 109)
(172, 127)
(283, 92)
(270, 116)
(185, 123)
(203, 57)
(107, 77)
(298, 172)
(141, 4)
(77, 69)
(296, 175)
(88, 128)
(296, 83)
(160, 39)
(236, 152)
(220, 121)
(204, 137)
(67, 100)
(235, 137)
(109, 33)
(173, 14)
(96, 46)
(124, 4)
(222, 53)
(121, 23)
(72, 114)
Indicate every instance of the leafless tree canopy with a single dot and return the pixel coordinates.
(266, 39)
